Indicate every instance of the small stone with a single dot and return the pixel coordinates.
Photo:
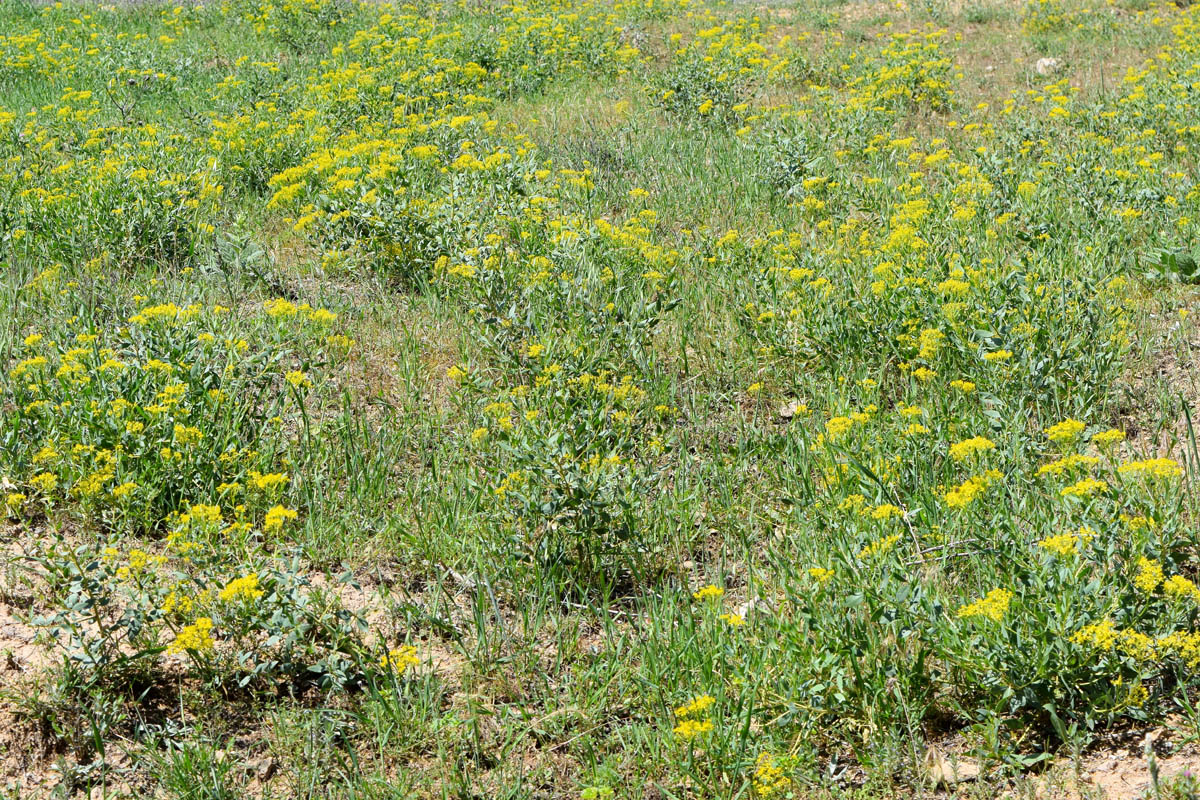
(262, 768)
(789, 410)
(1047, 66)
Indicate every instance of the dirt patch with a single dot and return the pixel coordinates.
(20, 650)
(1125, 765)
(1128, 770)
(1118, 777)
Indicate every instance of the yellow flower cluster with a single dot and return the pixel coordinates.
(1068, 430)
(194, 638)
(1149, 575)
(967, 448)
(993, 605)
(693, 717)
(1106, 637)
(770, 779)
(1084, 488)
(820, 574)
(400, 659)
(243, 588)
(1152, 468)
(1067, 544)
(276, 517)
(970, 489)
(879, 547)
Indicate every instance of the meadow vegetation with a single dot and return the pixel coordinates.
(594, 398)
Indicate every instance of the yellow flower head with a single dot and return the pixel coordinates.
(879, 547)
(695, 707)
(273, 523)
(993, 605)
(1085, 488)
(1066, 431)
(1149, 575)
(1066, 544)
(196, 638)
(1180, 587)
(1152, 468)
(691, 728)
(244, 588)
(970, 447)
(400, 659)
(770, 779)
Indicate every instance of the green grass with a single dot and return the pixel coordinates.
(542, 320)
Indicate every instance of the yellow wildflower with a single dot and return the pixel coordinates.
(244, 588)
(993, 605)
(400, 659)
(196, 637)
(691, 728)
(273, 523)
(1149, 575)
(1066, 431)
(969, 447)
